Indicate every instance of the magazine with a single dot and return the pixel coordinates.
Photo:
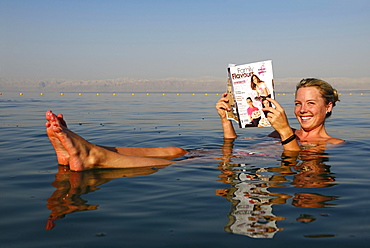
(248, 87)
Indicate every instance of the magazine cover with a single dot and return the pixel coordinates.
(248, 87)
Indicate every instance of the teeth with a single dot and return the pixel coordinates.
(305, 118)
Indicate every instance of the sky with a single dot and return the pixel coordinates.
(151, 39)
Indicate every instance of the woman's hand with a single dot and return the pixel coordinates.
(278, 119)
(222, 106)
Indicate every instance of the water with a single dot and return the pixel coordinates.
(213, 200)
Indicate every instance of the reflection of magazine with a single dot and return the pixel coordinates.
(248, 87)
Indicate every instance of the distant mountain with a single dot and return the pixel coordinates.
(339, 83)
(203, 84)
(115, 85)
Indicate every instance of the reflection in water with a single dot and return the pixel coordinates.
(252, 203)
(71, 185)
(249, 190)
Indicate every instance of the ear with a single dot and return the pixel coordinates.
(329, 107)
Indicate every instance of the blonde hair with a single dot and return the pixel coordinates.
(327, 91)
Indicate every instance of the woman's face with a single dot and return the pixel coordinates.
(250, 102)
(310, 108)
(255, 80)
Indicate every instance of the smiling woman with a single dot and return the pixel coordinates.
(314, 102)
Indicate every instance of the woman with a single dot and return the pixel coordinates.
(254, 113)
(314, 103)
(265, 103)
(259, 87)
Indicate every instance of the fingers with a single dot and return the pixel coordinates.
(223, 106)
(277, 116)
(223, 103)
(276, 103)
(277, 109)
(224, 98)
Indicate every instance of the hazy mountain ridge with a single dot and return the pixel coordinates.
(203, 84)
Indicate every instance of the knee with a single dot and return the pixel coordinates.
(176, 151)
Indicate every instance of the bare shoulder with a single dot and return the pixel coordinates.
(335, 141)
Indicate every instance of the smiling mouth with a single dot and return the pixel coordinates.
(306, 118)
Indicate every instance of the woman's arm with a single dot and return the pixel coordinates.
(222, 106)
(279, 122)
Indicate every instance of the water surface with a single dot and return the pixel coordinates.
(245, 196)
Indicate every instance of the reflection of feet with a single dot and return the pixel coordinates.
(49, 225)
(62, 154)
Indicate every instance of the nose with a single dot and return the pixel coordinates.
(303, 108)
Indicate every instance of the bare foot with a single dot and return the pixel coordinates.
(83, 155)
(68, 144)
(62, 154)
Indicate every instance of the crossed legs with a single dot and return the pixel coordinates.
(73, 150)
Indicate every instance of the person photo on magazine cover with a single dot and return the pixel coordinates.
(254, 113)
(259, 87)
